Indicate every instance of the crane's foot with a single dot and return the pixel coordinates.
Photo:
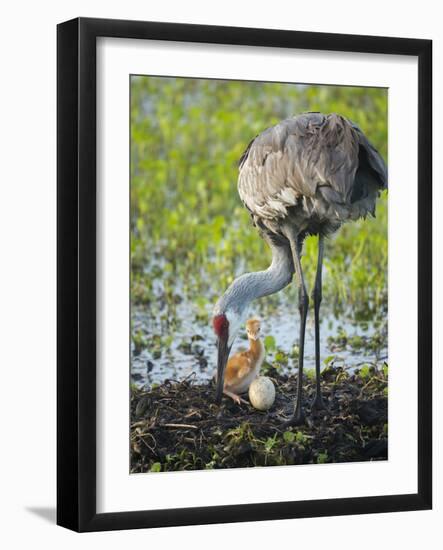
(297, 419)
(318, 404)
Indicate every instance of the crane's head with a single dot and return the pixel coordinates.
(226, 325)
(253, 329)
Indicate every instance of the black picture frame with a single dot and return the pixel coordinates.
(76, 273)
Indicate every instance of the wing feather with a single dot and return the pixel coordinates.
(373, 158)
(301, 157)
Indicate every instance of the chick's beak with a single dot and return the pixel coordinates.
(223, 354)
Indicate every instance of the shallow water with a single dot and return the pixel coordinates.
(193, 346)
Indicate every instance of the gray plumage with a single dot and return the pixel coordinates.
(316, 171)
(251, 286)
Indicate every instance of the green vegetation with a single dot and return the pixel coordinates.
(190, 234)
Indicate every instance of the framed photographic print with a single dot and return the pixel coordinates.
(244, 274)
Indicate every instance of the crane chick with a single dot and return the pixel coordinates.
(243, 367)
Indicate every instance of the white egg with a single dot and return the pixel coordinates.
(262, 393)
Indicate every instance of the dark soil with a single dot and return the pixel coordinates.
(177, 426)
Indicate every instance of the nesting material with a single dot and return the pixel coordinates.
(178, 426)
(262, 393)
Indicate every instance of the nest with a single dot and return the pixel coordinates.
(177, 426)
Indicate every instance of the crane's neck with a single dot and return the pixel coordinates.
(235, 301)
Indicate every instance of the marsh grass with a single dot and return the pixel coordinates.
(190, 234)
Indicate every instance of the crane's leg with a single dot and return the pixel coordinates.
(318, 402)
(303, 305)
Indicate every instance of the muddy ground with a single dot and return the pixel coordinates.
(177, 426)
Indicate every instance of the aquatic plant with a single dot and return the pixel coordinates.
(190, 234)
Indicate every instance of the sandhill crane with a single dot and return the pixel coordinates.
(305, 176)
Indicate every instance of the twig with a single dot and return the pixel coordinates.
(139, 423)
(185, 426)
(192, 413)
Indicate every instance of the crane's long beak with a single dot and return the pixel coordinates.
(223, 354)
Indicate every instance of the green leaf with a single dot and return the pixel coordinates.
(322, 457)
(281, 357)
(270, 442)
(289, 437)
(270, 344)
(310, 373)
(365, 371)
(156, 467)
